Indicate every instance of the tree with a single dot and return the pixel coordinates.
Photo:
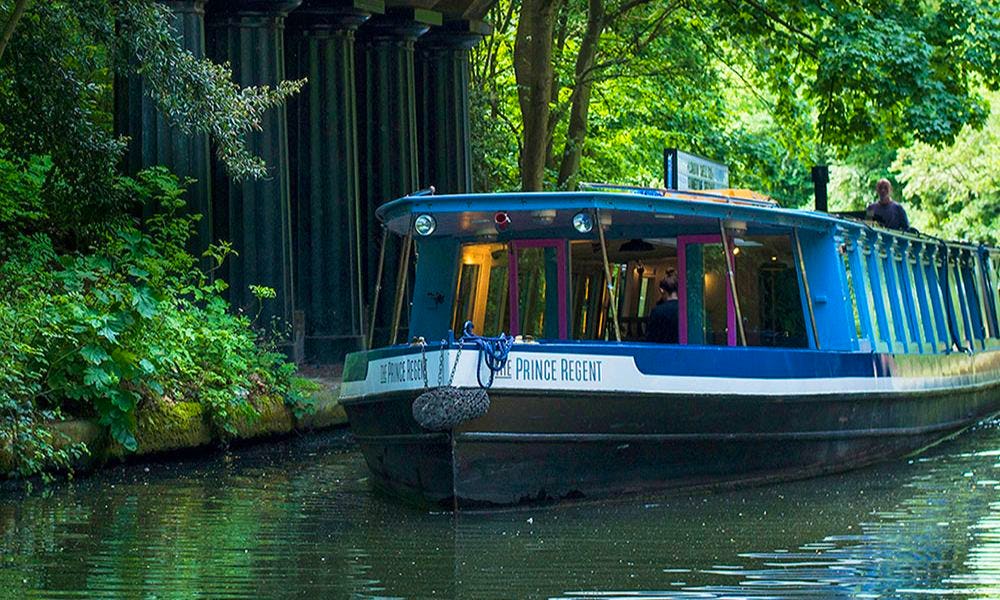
(956, 189)
(57, 60)
(852, 72)
(534, 71)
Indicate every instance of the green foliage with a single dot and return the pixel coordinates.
(129, 323)
(56, 79)
(771, 88)
(684, 87)
(956, 188)
(196, 94)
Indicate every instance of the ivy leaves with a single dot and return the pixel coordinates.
(128, 324)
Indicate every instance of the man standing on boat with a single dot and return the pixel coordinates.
(886, 211)
(663, 321)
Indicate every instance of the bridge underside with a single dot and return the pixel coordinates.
(385, 112)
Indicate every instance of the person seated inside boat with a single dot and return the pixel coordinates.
(663, 320)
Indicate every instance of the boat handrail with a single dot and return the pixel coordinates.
(729, 196)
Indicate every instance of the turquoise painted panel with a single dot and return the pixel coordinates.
(434, 289)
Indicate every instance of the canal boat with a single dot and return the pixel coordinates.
(519, 366)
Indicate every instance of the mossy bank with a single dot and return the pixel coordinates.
(181, 426)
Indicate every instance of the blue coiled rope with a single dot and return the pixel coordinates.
(492, 350)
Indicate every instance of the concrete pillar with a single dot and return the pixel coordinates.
(255, 215)
(153, 141)
(326, 210)
(387, 136)
(442, 81)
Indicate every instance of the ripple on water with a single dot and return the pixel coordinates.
(297, 520)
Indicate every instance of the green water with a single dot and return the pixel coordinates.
(297, 520)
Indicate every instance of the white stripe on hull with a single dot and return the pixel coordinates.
(541, 371)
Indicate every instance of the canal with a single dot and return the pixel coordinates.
(296, 519)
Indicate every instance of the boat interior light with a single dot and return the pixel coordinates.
(736, 226)
(583, 222)
(545, 216)
(424, 225)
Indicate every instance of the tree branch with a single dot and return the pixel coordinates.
(771, 17)
(774, 17)
(8, 30)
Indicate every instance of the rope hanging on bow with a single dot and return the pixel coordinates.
(492, 350)
(445, 407)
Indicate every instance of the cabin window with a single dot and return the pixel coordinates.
(636, 267)
(920, 289)
(769, 293)
(956, 303)
(520, 291)
(973, 296)
(482, 292)
(858, 284)
(852, 296)
(986, 295)
(897, 305)
(908, 294)
(876, 301)
(935, 291)
(990, 292)
(893, 334)
(766, 282)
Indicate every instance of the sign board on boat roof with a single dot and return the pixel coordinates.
(686, 171)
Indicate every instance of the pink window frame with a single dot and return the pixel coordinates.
(682, 243)
(515, 309)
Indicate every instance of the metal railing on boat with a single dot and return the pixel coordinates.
(727, 196)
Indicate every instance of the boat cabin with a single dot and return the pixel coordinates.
(586, 266)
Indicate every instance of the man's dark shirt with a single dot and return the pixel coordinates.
(890, 215)
(662, 327)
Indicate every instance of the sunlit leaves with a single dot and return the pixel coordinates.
(957, 187)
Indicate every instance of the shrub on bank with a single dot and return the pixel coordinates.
(122, 324)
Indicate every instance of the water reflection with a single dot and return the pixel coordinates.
(297, 520)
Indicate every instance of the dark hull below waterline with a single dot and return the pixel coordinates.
(549, 447)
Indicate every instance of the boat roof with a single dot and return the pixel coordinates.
(625, 212)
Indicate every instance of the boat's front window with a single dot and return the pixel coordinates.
(536, 288)
(514, 293)
(482, 293)
(766, 285)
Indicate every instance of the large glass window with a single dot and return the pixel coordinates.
(908, 293)
(860, 270)
(852, 296)
(528, 304)
(992, 290)
(482, 292)
(973, 297)
(932, 268)
(956, 295)
(895, 306)
(878, 299)
(636, 267)
(769, 294)
(986, 296)
(925, 313)
(883, 304)
(534, 280)
(766, 282)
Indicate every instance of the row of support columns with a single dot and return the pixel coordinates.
(384, 112)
